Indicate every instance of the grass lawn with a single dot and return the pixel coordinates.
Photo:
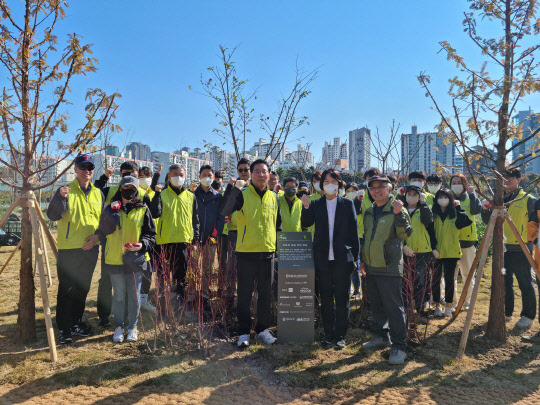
(94, 370)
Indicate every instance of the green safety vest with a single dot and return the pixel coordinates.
(81, 218)
(430, 198)
(447, 238)
(257, 222)
(520, 216)
(469, 232)
(129, 231)
(290, 219)
(366, 204)
(176, 221)
(114, 189)
(419, 241)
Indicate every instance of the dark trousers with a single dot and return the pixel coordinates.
(414, 280)
(172, 262)
(147, 279)
(448, 267)
(253, 270)
(334, 289)
(516, 263)
(75, 268)
(384, 294)
(355, 278)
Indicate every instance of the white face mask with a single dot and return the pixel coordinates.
(351, 195)
(341, 192)
(145, 182)
(178, 181)
(331, 188)
(206, 181)
(433, 188)
(317, 186)
(419, 184)
(443, 202)
(412, 199)
(457, 189)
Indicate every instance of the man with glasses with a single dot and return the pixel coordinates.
(259, 220)
(77, 208)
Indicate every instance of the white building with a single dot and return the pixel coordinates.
(334, 151)
(191, 164)
(102, 161)
(359, 150)
(530, 122)
(263, 148)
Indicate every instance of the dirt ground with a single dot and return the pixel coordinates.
(95, 371)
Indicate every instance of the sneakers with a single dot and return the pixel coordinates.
(327, 340)
(524, 323)
(81, 329)
(243, 341)
(131, 335)
(146, 306)
(438, 312)
(266, 337)
(104, 322)
(376, 342)
(65, 337)
(118, 336)
(340, 344)
(397, 356)
(447, 312)
(532, 339)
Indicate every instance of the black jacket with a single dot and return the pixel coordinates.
(346, 244)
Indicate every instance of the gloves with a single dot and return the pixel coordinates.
(407, 251)
(436, 254)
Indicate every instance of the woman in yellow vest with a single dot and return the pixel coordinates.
(521, 210)
(259, 220)
(468, 236)
(418, 250)
(449, 218)
(128, 227)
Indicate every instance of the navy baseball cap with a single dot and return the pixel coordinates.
(81, 160)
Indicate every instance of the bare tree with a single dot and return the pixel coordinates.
(482, 104)
(34, 114)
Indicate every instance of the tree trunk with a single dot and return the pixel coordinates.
(26, 320)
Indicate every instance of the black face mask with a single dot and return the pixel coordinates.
(216, 185)
(290, 192)
(128, 193)
(301, 193)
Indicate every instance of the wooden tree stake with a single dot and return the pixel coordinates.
(11, 256)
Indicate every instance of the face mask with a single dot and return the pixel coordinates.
(178, 181)
(317, 186)
(433, 188)
(341, 192)
(145, 182)
(351, 195)
(301, 193)
(443, 202)
(412, 199)
(457, 189)
(331, 188)
(290, 192)
(418, 184)
(216, 185)
(206, 181)
(128, 193)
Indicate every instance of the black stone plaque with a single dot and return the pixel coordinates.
(296, 288)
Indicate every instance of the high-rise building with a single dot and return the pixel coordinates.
(425, 151)
(334, 151)
(139, 151)
(192, 165)
(359, 149)
(102, 161)
(530, 122)
(262, 148)
(112, 151)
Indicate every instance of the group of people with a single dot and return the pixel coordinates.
(366, 236)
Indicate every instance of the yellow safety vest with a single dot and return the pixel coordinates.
(114, 189)
(129, 231)
(447, 238)
(81, 218)
(257, 222)
(176, 221)
(291, 219)
(520, 216)
(366, 204)
(469, 233)
(419, 241)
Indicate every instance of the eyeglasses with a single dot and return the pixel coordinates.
(260, 171)
(88, 168)
(378, 188)
(243, 170)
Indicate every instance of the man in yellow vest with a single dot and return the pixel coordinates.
(178, 228)
(259, 220)
(77, 208)
(290, 207)
(104, 295)
(273, 184)
(515, 261)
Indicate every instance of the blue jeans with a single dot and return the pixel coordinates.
(122, 283)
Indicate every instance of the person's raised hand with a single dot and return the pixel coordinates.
(159, 187)
(193, 186)
(305, 200)
(397, 205)
(109, 171)
(64, 191)
(422, 197)
(471, 189)
(160, 167)
(232, 181)
(240, 184)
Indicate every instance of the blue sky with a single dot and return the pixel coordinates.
(369, 54)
